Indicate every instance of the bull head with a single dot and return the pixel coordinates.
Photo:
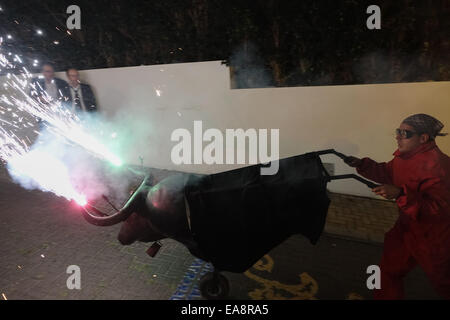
(153, 212)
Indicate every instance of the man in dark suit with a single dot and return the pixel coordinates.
(49, 88)
(81, 96)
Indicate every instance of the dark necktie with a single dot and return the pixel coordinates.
(76, 101)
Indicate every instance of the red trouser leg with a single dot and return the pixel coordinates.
(434, 258)
(396, 262)
(439, 276)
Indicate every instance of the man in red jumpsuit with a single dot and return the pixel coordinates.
(418, 178)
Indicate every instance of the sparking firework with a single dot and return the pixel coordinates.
(25, 108)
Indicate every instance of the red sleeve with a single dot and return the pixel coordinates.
(431, 198)
(378, 172)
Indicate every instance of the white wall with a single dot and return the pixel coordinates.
(357, 120)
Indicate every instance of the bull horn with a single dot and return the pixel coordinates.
(131, 206)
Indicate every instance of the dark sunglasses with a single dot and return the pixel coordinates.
(405, 134)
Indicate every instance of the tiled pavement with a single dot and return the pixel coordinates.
(360, 218)
(41, 235)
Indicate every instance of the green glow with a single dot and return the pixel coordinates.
(116, 161)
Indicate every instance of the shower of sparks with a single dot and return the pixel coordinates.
(58, 120)
(21, 107)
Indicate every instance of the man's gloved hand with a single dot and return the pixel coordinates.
(353, 161)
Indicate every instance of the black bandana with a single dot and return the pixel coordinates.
(424, 123)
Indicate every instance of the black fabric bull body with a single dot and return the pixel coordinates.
(231, 218)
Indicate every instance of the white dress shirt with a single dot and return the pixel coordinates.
(51, 89)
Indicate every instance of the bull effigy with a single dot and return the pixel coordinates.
(232, 218)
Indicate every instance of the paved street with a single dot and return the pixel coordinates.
(41, 235)
(333, 269)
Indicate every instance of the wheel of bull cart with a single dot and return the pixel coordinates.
(214, 286)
